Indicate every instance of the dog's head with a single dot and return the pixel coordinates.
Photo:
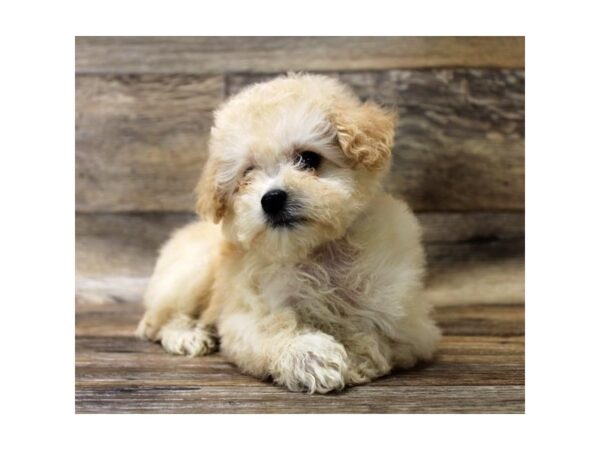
(292, 163)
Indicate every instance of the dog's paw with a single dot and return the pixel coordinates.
(312, 363)
(146, 330)
(183, 337)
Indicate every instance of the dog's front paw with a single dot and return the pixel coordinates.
(185, 337)
(312, 363)
(146, 329)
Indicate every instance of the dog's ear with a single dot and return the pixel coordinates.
(210, 203)
(365, 134)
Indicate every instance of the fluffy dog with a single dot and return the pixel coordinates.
(306, 271)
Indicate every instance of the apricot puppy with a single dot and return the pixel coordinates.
(305, 269)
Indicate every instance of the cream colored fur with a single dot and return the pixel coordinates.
(333, 301)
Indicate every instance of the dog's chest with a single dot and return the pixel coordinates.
(328, 288)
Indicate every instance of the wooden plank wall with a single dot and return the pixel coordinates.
(144, 109)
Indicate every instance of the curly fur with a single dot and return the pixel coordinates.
(333, 301)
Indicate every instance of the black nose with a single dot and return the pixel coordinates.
(273, 201)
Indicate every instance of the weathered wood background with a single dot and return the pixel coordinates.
(144, 109)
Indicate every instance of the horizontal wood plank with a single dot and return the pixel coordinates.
(473, 258)
(479, 368)
(141, 140)
(241, 400)
(481, 320)
(480, 280)
(473, 227)
(206, 55)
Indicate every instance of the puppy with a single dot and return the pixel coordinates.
(305, 269)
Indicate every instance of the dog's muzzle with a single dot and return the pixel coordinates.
(277, 208)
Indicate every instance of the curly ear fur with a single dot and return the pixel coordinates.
(210, 203)
(366, 134)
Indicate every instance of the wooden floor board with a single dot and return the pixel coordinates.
(479, 368)
(367, 399)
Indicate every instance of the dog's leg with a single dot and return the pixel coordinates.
(419, 340)
(179, 291)
(183, 335)
(373, 355)
(273, 345)
(370, 357)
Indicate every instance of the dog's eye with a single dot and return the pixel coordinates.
(308, 160)
(248, 170)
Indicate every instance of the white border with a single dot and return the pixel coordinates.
(38, 227)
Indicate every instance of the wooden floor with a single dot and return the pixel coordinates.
(479, 369)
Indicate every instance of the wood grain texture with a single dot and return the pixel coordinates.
(241, 400)
(214, 55)
(141, 140)
(102, 360)
(493, 281)
(473, 258)
(444, 227)
(479, 368)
